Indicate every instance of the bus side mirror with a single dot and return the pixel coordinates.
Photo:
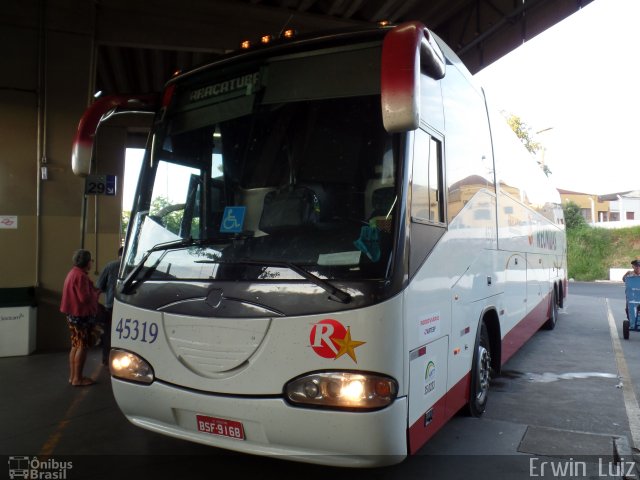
(97, 112)
(407, 51)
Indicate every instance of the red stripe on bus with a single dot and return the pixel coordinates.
(443, 410)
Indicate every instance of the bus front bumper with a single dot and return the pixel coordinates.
(270, 426)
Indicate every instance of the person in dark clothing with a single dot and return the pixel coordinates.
(631, 273)
(107, 284)
(636, 269)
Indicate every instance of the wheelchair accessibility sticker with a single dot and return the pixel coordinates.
(232, 219)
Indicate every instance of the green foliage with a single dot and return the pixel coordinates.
(523, 131)
(125, 217)
(170, 215)
(573, 216)
(625, 247)
(593, 251)
(587, 253)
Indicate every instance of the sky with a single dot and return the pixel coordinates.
(578, 82)
(132, 164)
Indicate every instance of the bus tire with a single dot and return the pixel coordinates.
(550, 324)
(625, 329)
(480, 373)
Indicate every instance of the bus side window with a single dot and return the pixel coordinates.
(427, 179)
(427, 201)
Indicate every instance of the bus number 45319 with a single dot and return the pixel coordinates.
(132, 329)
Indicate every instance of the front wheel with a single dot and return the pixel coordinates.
(480, 373)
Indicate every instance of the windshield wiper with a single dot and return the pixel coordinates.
(335, 292)
(128, 285)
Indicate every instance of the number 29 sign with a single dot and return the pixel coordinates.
(100, 185)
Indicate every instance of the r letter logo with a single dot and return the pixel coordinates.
(330, 339)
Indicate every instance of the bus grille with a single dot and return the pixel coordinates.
(211, 346)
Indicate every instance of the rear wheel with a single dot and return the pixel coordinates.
(550, 324)
(480, 373)
(625, 329)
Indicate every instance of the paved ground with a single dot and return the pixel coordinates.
(559, 410)
(559, 399)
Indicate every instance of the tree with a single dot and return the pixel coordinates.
(169, 214)
(523, 131)
(573, 216)
(124, 223)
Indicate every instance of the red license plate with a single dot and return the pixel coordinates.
(220, 426)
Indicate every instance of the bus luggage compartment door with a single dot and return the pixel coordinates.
(427, 389)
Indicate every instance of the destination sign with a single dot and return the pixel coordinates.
(248, 83)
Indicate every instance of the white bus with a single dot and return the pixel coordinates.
(333, 248)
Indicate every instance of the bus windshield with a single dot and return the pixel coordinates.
(249, 179)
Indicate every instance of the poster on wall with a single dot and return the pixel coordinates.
(9, 221)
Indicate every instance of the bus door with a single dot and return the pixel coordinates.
(514, 300)
(537, 283)
(427, 299)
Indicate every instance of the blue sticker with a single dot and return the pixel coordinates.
(232, 219)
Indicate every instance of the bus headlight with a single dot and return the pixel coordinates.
(342, 390)
(129, 366)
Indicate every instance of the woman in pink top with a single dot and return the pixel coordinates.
(80, 304)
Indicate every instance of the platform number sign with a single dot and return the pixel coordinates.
(100, 185)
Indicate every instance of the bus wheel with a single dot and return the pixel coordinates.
(550, 324)
(480, 373)
(625, 329)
